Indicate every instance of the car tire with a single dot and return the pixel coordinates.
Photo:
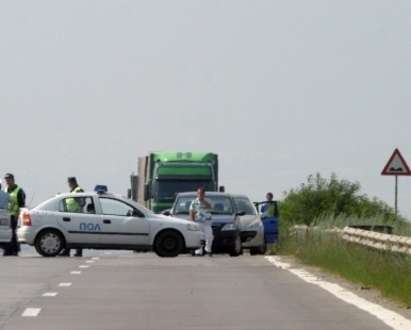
(259, 249)
(236, 249)
(168, 244)
(49, 243)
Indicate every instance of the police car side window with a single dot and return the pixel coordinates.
(112, 206)
(78, 205)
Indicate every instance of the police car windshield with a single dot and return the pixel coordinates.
(244, 205)
(219, 204)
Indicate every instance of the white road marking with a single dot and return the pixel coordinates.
(31, 312)
(90, 261)
(390, 318)
(75, 272)
(83, 266)
(50, 294)
(95, 258)
(65, 284)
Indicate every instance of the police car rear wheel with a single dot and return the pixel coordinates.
(49, 243)
(168, 244)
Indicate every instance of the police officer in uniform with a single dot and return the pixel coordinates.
(268, 208)
(17, 200)
(73, 205)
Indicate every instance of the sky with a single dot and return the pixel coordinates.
(279, 89)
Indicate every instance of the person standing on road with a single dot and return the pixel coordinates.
(17, 200)
(268, 208)
(73, 205)
(200, 212)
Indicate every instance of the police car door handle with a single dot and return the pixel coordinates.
(66, 219)
(106, 221)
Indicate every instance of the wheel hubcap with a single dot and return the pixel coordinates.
(50, 243)
(169, 244)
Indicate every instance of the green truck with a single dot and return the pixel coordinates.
(161, 175)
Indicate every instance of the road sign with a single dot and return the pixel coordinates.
(396, 165)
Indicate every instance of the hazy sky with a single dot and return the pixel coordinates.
(279, 89)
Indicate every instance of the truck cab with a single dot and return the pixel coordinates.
(162, 175)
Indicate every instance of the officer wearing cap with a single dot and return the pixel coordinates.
(17, 200)
(73, 205)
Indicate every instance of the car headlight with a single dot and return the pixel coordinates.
(254, 226)
(229, 226)
(193, 227)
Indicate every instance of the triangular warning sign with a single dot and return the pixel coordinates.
(396, 165)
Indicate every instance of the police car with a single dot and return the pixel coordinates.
(104, 221)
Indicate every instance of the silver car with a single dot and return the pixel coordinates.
(5, 229)
(251, 226)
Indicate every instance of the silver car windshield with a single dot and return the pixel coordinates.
(244, 205)
(219, 204)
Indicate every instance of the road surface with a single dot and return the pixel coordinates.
(122, 290)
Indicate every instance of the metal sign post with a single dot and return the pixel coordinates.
(396, 166)
(396, 197)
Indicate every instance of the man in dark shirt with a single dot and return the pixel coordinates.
(17, 200)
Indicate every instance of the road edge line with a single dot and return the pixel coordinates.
(389, 317)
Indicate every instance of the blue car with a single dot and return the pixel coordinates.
(225, 219)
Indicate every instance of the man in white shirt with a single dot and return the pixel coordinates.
(200, 212)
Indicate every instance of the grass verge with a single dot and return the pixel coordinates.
(388, 272)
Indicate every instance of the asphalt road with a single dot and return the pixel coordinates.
(122, 290)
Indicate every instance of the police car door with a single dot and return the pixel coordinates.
(123, 223)
(81, 223)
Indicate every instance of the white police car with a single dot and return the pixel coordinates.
(104, 221)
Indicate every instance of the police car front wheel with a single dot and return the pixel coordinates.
(49, 243)
(168, 244)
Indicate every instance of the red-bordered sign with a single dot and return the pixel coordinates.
(396, 165)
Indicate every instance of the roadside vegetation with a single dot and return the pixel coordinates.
(390, 273)
(333, 203)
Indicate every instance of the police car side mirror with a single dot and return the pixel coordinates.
(240, 214)
(166, 212)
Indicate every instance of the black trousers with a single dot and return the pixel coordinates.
(13, 248)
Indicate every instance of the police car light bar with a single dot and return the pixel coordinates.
(100, 189)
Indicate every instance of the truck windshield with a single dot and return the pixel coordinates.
(167, 189)
(219, 204)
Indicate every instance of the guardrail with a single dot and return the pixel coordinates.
(378, 241)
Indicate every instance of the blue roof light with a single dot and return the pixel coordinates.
(100, 189)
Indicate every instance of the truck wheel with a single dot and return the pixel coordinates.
(168, 244)
(49, 243)
(236, 249)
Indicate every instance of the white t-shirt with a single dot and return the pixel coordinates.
(201, 212)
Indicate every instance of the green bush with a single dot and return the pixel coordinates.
(333, 197)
